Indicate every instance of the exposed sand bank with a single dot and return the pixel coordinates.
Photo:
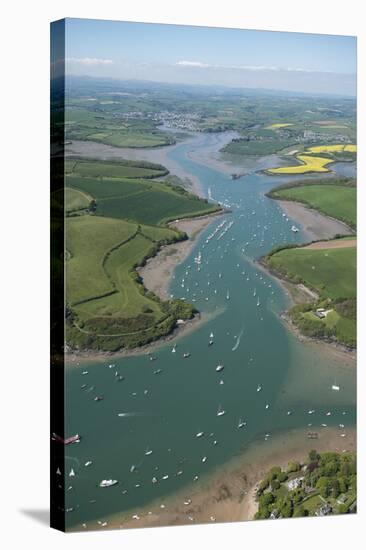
(315, 224)
(157, 272)
(228, 494)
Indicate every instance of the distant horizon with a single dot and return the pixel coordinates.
(233, 58)
(221, 87)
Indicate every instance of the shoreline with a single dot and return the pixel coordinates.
(316, 225)
(157, 272)
(228, 493)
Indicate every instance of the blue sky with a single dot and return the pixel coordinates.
(198, 55)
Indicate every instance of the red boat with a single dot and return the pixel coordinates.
(73, 439)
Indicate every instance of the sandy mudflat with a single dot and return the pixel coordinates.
(315, 224)
(228, 494)
(157, 272)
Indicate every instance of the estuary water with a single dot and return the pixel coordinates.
(174, 419)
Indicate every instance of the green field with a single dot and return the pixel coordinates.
(76, 200)
(317, 269)
(337, 201)
(88, 239)
(142, 201)
(121, 169)
(257, 147)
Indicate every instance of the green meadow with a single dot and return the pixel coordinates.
(124, 169)
(317, 269)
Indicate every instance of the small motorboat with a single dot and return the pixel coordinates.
(88, 463)
(199, 434)
(219, 368)
(186, 355)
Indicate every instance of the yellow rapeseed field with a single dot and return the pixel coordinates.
(309, 164)
(338, 148)
(351, 148)
(279, 125)
(314, 164)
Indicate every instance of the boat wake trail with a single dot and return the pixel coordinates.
(129, 414)
(237, 343)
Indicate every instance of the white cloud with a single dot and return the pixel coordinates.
(193, 64)
(89, 61)
(201, 65)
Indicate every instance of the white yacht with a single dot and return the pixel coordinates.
(219, 368)
(72, 473)
(259, 387)
(335, 387)
(108, 482)
(88, 463)
(199, 434)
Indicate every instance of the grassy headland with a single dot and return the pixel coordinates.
(114, 224)
(337, 201)
(328, 269)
